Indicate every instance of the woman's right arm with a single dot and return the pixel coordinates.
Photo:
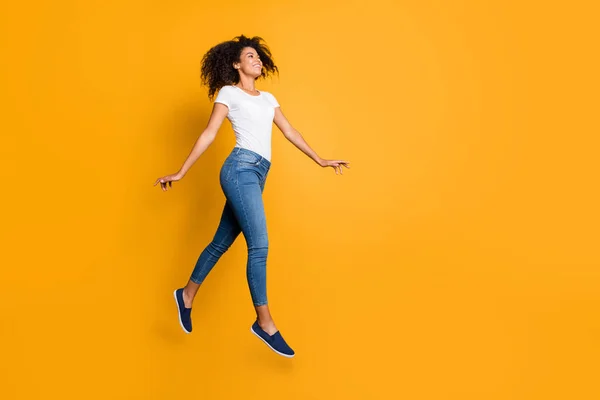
(217, 116)
(205, 139)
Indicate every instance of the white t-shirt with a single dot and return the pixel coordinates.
(251, 118)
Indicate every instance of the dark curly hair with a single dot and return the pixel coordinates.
(217, 64)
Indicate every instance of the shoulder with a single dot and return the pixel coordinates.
(226, 95)
(227, 89)
(270, 97)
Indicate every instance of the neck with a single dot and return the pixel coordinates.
(246, 82)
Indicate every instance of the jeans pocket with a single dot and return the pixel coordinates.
(248, 159)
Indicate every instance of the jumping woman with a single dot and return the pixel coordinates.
(231, 68)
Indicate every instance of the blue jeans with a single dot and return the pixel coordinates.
(242, 178)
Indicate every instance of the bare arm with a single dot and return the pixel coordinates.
(205, 139)
(296, 138)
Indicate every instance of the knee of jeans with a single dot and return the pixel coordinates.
(259, 248)
(220, 247)
(259, 242)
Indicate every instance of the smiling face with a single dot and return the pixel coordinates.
(249, 63)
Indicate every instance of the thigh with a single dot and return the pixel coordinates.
(244, 193)
(262, 185)
(229, 228)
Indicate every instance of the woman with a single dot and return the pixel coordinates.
(231, 68)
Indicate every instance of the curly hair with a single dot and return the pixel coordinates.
(217, 64)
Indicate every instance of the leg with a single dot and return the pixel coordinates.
(244, 192)
(227, 232)
(263, 315)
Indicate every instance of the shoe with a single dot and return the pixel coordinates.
(185, 314)
(275, 341)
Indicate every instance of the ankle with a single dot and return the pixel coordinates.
(188, 298)
(267, 326)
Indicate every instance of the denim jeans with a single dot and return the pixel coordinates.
(242, 179)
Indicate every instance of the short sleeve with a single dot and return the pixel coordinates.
(224, 96)
(272, 99)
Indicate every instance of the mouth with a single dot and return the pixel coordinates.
(257, 65)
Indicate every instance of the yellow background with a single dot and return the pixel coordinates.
(457, 259)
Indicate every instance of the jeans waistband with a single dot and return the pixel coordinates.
(259, 159)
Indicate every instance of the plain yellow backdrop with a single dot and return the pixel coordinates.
(456, 259)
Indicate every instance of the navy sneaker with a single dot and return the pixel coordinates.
(185, 314)
(275, 341)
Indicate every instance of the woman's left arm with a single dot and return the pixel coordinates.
(296, 138)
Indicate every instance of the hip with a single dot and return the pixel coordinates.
(242, 160)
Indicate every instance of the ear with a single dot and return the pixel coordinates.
(236, 65)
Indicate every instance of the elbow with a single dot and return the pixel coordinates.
(209, 135)
(290, 134)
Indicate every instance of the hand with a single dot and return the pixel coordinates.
(167, 180)
(336, 165)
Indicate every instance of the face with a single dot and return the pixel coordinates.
(249, 63)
